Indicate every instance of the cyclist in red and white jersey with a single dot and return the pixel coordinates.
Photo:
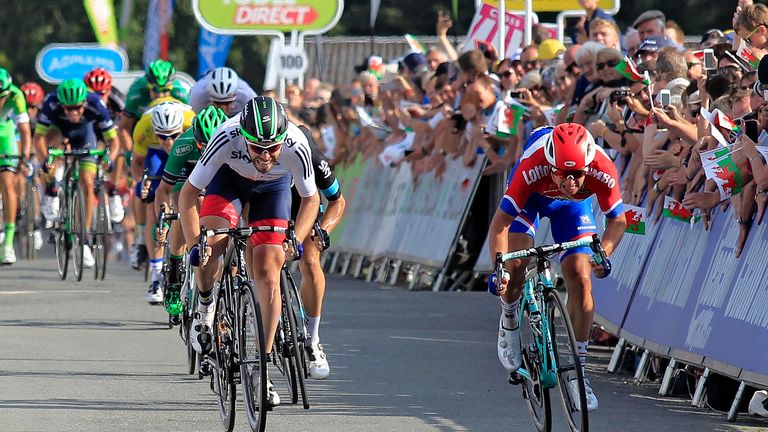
(560, 169)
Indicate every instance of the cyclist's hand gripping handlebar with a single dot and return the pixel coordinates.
(601, 265)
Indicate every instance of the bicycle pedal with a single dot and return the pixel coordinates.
(174, 320)
(515, 378)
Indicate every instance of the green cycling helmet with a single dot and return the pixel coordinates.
(72, 92)
(161, 73)
(5, 80)
(206, 122)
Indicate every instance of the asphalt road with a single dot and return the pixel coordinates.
(93, 356)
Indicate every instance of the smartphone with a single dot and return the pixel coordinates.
(710, 63)
(665, 98)
(515, 94)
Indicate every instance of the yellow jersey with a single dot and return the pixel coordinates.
(144, 137)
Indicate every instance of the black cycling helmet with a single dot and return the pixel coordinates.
(263, 120)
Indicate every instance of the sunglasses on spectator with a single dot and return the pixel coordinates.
(609, 63)
(160, 89)
(692, 64)
(164, 137)
(571, 67)
(467, 83)
(506, 74)
(530, 64)
(748, 37)
(576, 174)
(695, 112)
(73, 107)
(260, 149)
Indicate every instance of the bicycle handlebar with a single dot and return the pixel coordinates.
(549, 250)
(242, 233)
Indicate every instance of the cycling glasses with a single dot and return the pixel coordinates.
(576, 174)
(164, 137)
(271, 149)
(71, 108)
(160, 89)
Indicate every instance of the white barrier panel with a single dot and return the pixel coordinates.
(391, 216)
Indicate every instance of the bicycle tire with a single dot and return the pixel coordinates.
(297, 346)
(28, 220)
(61, 238)
(78, 231)
(100, 235)
(535, 394)
(253, 365)
(223, 381)
(190, 305)
(282, 358)
(567, 361)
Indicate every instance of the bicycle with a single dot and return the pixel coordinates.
(102, 225)
(163, 218)
(144, 256)
(289, 355)
(190, 295)
(238, 345)
(69, 230)
(29, 207)
(549, 353)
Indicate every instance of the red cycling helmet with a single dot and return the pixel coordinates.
(98, 80)
(570, 147)
(33, 93)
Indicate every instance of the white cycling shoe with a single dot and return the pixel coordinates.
(573, 392)
(116, 210)
(272, 397)
(88, 260)
(201, 326)
(318, 363)
(508, 347)
(50, 207)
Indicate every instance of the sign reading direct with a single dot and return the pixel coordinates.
(267, 16)
(57, 62)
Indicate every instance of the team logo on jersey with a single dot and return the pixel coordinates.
(535, 174)
(182, 149)
(325, 168)
(602, 177)
(237, 154)
(585, 219)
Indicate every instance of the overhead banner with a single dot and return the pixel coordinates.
(101, 14)
(484, 28)
(553, 5)
(267, 16)
(212, 51)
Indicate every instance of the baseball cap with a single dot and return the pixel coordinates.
(415, 62)
(710, 34)
(649, 15)
(550, 49)
(655, 43)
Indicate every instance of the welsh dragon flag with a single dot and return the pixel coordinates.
(635, 219)
(719, 166)
(415, 45)
(747, 55)
(674, 210)
(509, 119)
(718, 119)
(628, 69)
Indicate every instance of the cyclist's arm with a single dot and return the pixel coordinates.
(609, 199)
(125, 130)
(26, 139)
(333, 214)
(498, 240)
(140, 138)
(614, 231)
(162, 196)
(41, 130)
(190, 218)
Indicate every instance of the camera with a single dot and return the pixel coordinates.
(515, 94)
(618, 95)
(459, 123)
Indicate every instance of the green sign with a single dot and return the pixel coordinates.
(267, 16)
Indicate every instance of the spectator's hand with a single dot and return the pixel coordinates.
(677, 178)
(744, 227)
(596, 128)
(660, 116)
(444, 23)
(614, 113)
(761, 198)
(662, 159)
(674, 114)
(701, 84)
(701, 200)
(635, 105)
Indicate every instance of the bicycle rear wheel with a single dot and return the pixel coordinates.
(62, 240)
(298, 369)
(100, 233)
(27, 239)
(535, 394)
(566, 358)
(78, 231)
(253, 364)
(223, 352)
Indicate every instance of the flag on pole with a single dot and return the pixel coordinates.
(101, 14)
(747, 55)
(628, 69)
(635, 219)
(717, 119)
(508, 119)
(374, 11)
(674, 210)
(719, 167)
(415, 45)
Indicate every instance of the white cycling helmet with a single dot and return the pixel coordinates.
(167, 117)
(222, 87)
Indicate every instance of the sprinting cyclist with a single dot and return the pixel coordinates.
(99, 81)
(250, 160)
(182, 158)
(560, 169)
(77, 114)
(34, 95)
(222, 88)
(158, 82)
(13, 111)
(312, 275)
(153, 138)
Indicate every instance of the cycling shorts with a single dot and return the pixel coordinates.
(154, 162)
(570, 220)
(8, 146)
(84, 137)
(270, 203)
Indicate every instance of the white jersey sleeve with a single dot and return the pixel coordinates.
(297, 155)
(213, 158)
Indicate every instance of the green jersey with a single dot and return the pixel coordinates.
(15, 107)
(182, 158)
(138, 98)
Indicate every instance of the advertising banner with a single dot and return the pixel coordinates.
(267, 16)
(57, 62)
(101, 14)
(552, 5)
(212, 51)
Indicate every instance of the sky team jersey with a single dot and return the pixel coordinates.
(15, 107)
(144, 137)
(138, 99)
(325, 179)
(199, 99)
(182, 158)
(95, 112)
(531, 176)
(227, 148)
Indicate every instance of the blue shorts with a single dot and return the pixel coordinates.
(82, 136)
(155, 165)
(570, 220)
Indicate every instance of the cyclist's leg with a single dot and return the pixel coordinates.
(269, 205)
(8, 189)
(175, 263)
(154, 163)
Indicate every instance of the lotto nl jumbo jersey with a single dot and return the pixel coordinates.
(227, 147)
(532, 176)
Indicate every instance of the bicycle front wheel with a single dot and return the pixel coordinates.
(296, 336)
(566, 359)
(536, 394)
(223, 351)
(190, 306)
(100, 233)
(253, 364)
(28, 219)
(78, 231)
(61, 237)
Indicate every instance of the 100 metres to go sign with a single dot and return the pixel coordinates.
(265, 16)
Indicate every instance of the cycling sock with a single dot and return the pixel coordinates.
(313, 327)
(10, 230)
(140, 235)
(582, 347)
(510, 311)
(205, 301)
